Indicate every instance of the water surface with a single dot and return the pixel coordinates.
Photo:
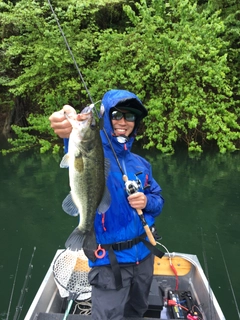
(200, 216)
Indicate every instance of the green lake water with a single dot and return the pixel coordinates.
(201, 216)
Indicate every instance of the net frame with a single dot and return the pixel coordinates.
(70, 270)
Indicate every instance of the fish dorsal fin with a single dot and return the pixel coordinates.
(69, 206)
(65, 161)
(105, 202)
(106, 199)
(107, 166)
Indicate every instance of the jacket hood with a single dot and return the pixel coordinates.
(120, 99)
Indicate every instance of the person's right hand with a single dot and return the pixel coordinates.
(59, 122)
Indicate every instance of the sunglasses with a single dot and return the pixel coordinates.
(128, 116)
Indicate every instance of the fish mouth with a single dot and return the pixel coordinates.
(85, 116)
(88, 109)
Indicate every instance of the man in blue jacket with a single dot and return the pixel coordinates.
(121, 280)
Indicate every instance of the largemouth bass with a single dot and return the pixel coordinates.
(87, 176)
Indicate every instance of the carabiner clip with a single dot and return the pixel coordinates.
(100, 252)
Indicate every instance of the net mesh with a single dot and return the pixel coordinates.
(70, 271)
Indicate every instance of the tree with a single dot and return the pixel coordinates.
(174, 55)
(36, 65)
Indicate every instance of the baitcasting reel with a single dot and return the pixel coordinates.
(132, 186)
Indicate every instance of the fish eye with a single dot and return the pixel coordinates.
(93, 124)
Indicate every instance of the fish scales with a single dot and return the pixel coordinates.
(87, 182)
(86, 163)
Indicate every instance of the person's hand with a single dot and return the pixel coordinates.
(59, 122)
(137, 200)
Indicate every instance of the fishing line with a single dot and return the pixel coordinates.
(14, 282)
(82, 79)
(229, 279)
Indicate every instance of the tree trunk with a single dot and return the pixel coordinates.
(16, 116)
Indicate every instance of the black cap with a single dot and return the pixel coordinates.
(133, 105)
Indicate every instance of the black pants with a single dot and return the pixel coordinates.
(130, 301)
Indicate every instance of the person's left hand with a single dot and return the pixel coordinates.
(137, 200)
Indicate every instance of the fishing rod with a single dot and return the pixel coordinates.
(14, 282)
(229, 279)
(24, 288)
(70, 51)
(84, 83)
(140, 213)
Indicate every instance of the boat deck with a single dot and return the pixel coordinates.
(48, 304)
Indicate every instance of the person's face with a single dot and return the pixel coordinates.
(123, 126)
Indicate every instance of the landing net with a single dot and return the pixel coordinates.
(70, 271)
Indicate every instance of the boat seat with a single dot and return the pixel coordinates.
(162, 267)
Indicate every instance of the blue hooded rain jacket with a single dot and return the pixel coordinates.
(121, 222)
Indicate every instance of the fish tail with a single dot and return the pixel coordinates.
(75, 240)
(90, 245)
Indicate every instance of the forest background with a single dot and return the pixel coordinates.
(180, 57)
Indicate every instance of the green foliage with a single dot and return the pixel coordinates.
(37, 64)
(232, 35)
(24, 139)
(177, 58)
(174, 57)
(33, 135)
(46, 65)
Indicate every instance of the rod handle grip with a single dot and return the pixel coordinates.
(147, 230)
